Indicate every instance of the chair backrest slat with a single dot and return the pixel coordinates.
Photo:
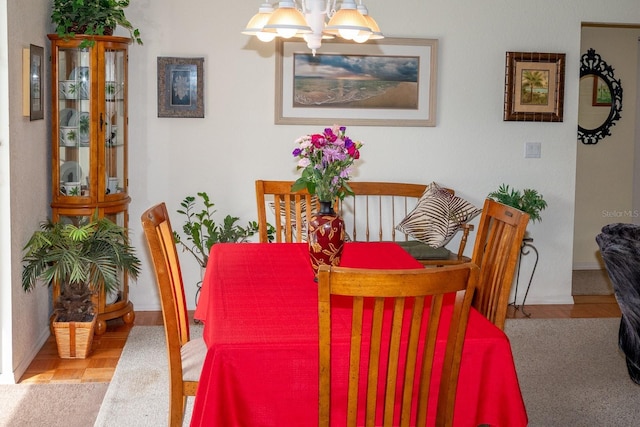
(165, 237)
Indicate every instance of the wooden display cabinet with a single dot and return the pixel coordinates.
(89, 143)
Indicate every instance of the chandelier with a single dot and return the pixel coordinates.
(351, 22)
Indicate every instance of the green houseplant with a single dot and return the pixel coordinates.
(82, 259)
(91, 17)
(202, 231)
(527, 200)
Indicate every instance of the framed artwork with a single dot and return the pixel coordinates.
(180, 87)
(36, 73)
(534, 87)
(387, 82)
(601, 93)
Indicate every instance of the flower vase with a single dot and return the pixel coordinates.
(326, 237)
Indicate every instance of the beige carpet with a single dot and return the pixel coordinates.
(50, 405)
(570, 370)
(571, 373)
(138, 394)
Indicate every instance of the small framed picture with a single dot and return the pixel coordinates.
(180, 87)
(534, 87)
(601, 93)
(36, 71)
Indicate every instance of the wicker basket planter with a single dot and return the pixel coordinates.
(74, 339)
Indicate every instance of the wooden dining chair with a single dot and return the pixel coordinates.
(186, 356)
(417, 295)
(496, 251)
(292, 211)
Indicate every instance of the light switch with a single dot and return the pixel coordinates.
(532, 150)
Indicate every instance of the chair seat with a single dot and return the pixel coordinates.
(420, 250)
(193, 354)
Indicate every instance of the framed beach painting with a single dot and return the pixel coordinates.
(388, 82)
(534, 87)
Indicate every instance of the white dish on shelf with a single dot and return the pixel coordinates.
(70, 171)
(79, 73)
(64, 116)
(112, 297)
(73, 119)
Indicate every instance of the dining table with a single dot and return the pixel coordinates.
(259, 306)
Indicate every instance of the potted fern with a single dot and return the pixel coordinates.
(527, 200)
(82, 259)
(91, 17)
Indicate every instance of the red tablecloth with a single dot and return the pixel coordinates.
(259, 306)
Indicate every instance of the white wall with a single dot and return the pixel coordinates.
(24, 191)
(471, 149)
(5, 212)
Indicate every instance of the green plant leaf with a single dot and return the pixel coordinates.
(528, 200)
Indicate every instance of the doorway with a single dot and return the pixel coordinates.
(606, 171)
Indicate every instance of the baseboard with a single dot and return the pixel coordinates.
(595, 265)
(24, 364)
(563, 300)
(595, 299)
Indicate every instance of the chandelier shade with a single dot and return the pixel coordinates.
(376, 34)
(348, 23)
(257, 23)
(287, 21)
(309, 20)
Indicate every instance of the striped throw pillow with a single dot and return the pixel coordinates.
(437, 216)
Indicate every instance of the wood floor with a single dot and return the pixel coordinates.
(47, 367)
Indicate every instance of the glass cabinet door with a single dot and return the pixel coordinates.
(74, 111)
(114, 121)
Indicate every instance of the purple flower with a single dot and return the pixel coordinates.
(326, 159)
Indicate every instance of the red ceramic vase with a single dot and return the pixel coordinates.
(326, 237)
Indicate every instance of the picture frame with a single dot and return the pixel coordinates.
(36, 74)
(180, 87)
(601, 95)
(364, 96)
(534, 87)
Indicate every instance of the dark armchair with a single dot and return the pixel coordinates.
(620, 249)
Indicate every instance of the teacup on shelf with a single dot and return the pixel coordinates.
(110, 90)
(68, 89)
(112, 185)
(72, 188)
(68, 136)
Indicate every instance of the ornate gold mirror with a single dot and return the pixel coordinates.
(600, 98)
